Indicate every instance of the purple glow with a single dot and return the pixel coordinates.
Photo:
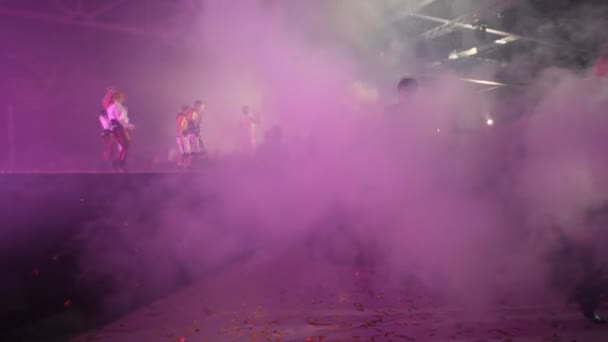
(355, 201)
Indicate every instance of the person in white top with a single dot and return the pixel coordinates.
(120, 126)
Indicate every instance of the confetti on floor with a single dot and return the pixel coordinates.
(222, 309)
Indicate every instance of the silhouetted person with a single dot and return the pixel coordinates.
(406, 88)
(399, 123)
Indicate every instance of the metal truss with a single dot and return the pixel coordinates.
(413, 7)
(151, 17)
(464, 21)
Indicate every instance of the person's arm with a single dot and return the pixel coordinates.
(182, 125)
(104, 122)
(123, 117)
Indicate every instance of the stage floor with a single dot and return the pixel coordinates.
(318, 324)
(272, 294)
(247, 304)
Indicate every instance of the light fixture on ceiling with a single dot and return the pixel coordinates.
(506, 40)
(484, 82)
(469, 52)
(465, 53)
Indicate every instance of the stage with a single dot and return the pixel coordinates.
(90, 256)
(58, 228)
(245, 303)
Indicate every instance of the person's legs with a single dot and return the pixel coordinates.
(180, 151)
(122, 138)
(184, 152)
(194, 143)
(188, 153)
(108, 147)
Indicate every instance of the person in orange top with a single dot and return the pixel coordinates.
(183, 143)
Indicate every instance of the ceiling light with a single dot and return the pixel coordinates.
(506, 40)
(469, 52)
(461, 54)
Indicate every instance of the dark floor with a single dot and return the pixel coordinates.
(71, 272)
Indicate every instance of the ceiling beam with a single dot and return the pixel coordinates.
(464, 21)
(503, 37)
(455, 24)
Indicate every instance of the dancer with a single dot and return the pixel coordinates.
(106, 136)
(183, 143)
(398, 117)
(194, 129)
(120, 126)
(248, 130)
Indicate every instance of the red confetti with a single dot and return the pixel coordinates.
(182, 339)
(67, 303)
